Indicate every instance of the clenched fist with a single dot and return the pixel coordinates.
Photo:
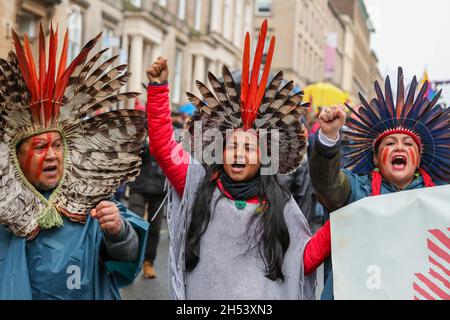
(108, 217)
(159, 71)
(331, 121)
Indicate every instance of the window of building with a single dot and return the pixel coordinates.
(263, 7)
(266, 43)
(357, 87)
(198, 15)
(248, 20)
(193, 75)
(227, 19)
(136, 3)
(27, 23)
(238, 23)
(306, 15)
(299, 54)
(162, 2)
(181, 9)
(75, 27)
(208, 66)
(109, 41)
(215, 16)
(310, 63)
(304, 57)
(177, 76)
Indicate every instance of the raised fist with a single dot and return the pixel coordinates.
(331, 121)
(159, 71)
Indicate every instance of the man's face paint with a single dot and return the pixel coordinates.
(41, 160)
(398, 159)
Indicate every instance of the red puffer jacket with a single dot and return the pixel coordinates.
(174, 161)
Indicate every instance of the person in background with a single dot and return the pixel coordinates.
(299, 184)
(186, 111)
(146, 197)
(138, 105)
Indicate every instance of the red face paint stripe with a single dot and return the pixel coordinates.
(30, 154)
(41, 161)
(413, 156)
(384, 156)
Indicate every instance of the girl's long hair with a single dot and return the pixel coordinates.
(270, 234)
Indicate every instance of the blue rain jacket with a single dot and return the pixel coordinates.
(65, 263)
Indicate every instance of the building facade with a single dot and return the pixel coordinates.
(299, 26)
(360, 62)
(335, 40)
(322, 40)
(196, 36)
(317, 40)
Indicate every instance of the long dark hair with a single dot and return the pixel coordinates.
(270, 235)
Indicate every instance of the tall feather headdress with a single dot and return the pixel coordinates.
(101, 152)
(259, 106)
(424, 120)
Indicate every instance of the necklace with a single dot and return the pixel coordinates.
(240, 204)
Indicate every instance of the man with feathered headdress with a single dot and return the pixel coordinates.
(391, 147)
(61, 237)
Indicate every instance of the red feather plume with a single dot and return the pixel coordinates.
(252, 93)
(42, 62)
(245, 70)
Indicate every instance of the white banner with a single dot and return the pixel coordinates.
(394, 246)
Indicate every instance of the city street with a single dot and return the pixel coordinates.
(292, 134)
(153, 289)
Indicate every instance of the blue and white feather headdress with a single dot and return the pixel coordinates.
(424, 120)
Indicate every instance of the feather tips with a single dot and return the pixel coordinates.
(42, 61)
(23, 64)
(245, 70)
(257, 60)
(278, 109)
(47, 89)
(265, 76)
(252, 93)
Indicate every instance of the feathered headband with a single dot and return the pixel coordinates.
(101, 152)
(423, 120)
(259, 106)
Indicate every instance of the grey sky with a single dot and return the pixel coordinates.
(414, 34)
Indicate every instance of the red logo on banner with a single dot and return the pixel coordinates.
(435, 285)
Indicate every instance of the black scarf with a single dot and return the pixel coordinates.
(241, 190)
